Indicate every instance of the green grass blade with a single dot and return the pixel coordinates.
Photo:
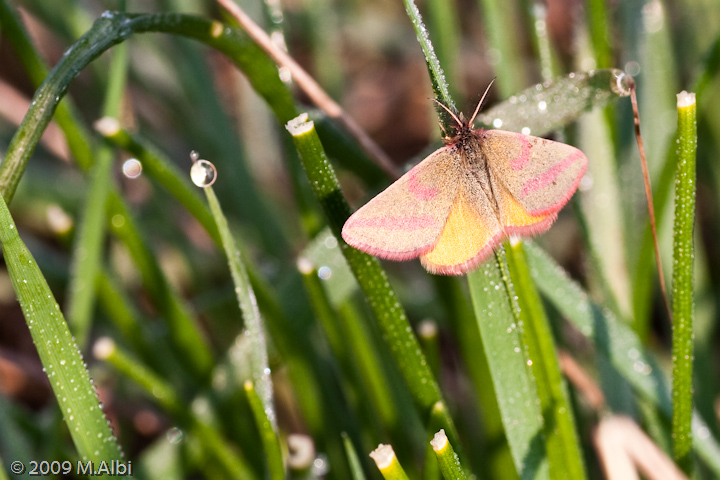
(445, 30)
(563, 449)
(87, 255)
(355, 466)
(437, 76)
(514, 383)
(58, 352)
(447, 458)
(264, 420)
(254, 328)
(597, 20)
(682, 285)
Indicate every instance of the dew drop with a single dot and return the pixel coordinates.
(203, 173)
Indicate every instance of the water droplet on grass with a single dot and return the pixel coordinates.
(203, 173)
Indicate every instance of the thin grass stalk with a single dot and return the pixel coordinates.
(163, 393)
(353, 346)
(161, 169)
(353, 460)
(87, 254)
(447, 458)
(372, 279)
(682, 285)
(437, 76)
(446, 30)
(254, 328)
(121, 312)
(547, 58)
(388, 464)
(58, 352)
(268, 435)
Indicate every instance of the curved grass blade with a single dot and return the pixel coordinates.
(58, 352)
(113, 28)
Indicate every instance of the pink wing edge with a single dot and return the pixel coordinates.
(378, 252)
(388, 255)
(555, 208)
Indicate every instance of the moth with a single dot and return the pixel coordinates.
(465, 198)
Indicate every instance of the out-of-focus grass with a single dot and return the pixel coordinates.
(164, 293)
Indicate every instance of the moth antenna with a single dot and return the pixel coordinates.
(455, 117)
(442, 128)
(477, 109)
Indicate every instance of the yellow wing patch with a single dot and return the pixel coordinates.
(514, 214)
(464, 236)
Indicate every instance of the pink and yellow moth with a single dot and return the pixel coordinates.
(465, 198)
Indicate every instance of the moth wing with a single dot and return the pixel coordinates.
(533, 178)
(470, 233)
(405, 220)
